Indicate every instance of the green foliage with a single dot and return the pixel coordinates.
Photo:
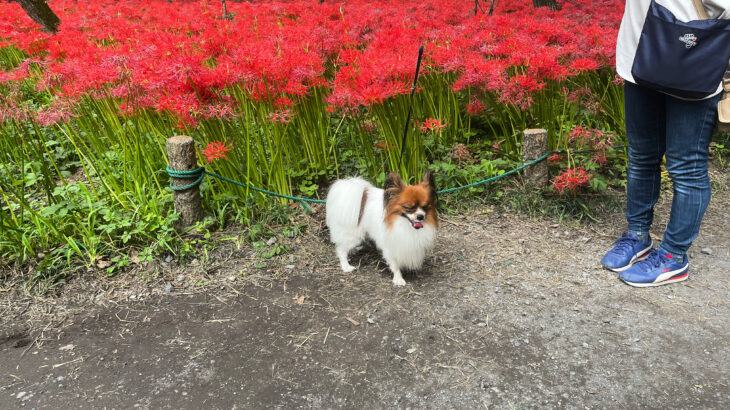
(93, 187)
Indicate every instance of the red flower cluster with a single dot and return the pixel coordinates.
(571, 180)
(181, 56)
(594, 139)
(432, 125)
(554, 158)
(283, 116)
(216, 150)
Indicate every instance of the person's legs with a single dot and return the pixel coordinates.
(689, 129)
(646, 119)
(645, 129)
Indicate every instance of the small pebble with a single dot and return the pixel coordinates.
(180, 278)
(586, 345)
(169, 288)
(290, 266)
(707, 251)
(271, 241)
(168, 259)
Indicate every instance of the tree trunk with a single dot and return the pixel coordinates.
(39, 11)
(551, 4)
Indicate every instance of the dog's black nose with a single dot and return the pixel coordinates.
(419, 217)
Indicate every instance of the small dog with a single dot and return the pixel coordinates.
(401, 219)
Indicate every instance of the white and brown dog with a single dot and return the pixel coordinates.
(401, 219)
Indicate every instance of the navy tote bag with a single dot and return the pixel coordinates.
(684, 59)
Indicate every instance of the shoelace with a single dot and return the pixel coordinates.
(654, 260)
(625, 244)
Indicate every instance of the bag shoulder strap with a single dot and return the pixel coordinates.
(701, 10)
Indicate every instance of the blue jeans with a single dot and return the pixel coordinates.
(660, 125)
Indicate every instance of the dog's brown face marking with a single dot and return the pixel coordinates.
(410, 201)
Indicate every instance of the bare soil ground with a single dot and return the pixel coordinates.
(508, 313)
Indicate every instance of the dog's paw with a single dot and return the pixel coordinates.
(348, 268)
(399, 282)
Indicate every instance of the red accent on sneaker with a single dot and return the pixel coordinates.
(673, 278)
(669, 255)
(666, 270)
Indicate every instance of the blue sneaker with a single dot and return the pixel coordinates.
(626, 250)
(657, 269)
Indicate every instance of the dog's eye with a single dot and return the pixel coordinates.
(426, 206)
(408, 208)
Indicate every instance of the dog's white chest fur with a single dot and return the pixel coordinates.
(402, 246)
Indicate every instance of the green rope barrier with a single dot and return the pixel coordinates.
(200, 172)
(496, 177)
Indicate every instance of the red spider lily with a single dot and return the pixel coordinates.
(571, 180)
(618, 80)
(383, 145)
(59, 111)
(283, 102)
(282, 116)
(432, 125)
(221, 111)
(216, 150)
(591, 137)
(584, 64)
(177, 57)
(554, 158)
(475, 107)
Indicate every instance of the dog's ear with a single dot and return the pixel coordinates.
(429, 180)
(393, 186)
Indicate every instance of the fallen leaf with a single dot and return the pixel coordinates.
(299, 299)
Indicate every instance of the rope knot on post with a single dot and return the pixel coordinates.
(185, 178)
(197, 173)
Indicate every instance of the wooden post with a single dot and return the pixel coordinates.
(181, 154)
(534, 145)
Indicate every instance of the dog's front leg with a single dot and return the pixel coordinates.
(397, 276)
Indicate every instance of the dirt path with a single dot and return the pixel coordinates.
(510, 313)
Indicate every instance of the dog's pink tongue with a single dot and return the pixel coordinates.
(417, 225)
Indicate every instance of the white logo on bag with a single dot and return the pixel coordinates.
(689, 40)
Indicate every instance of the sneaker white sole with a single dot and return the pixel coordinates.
(640, 256)
(673, 277)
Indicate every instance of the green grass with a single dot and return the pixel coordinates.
(91, 193)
